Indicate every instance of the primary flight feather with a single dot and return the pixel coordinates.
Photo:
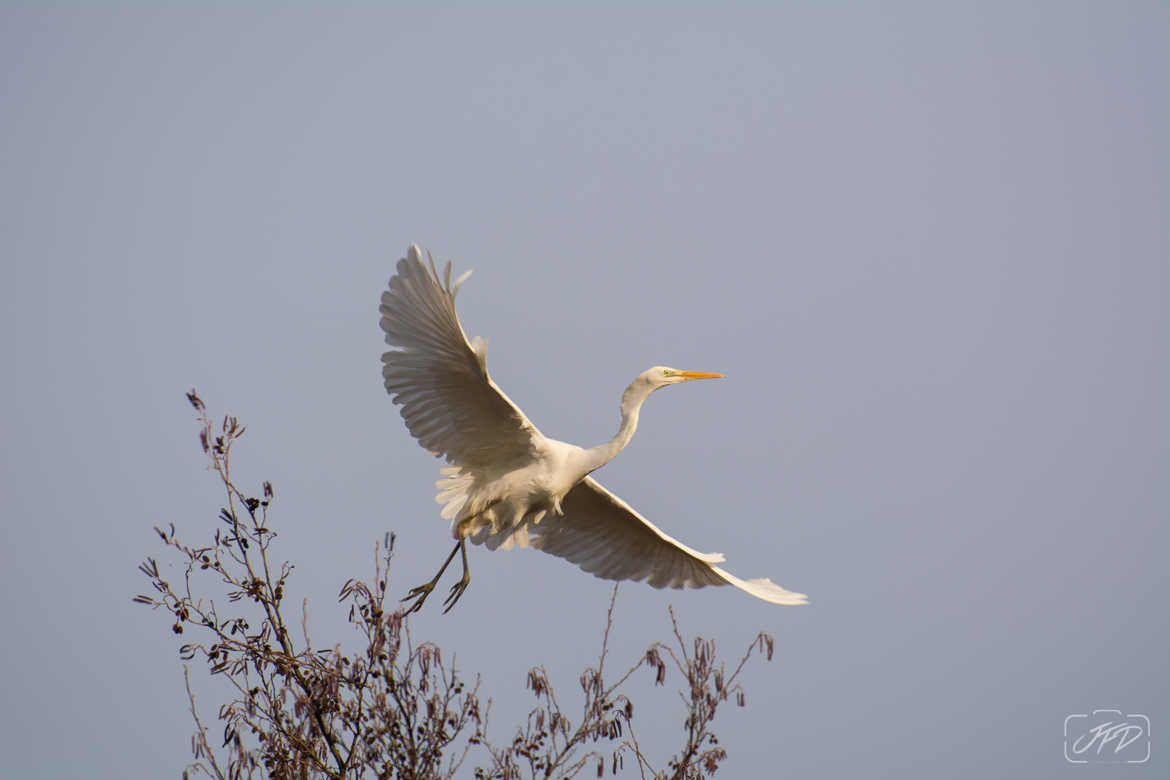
(509, 484)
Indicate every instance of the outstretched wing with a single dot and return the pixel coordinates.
(449, 402)
(604, 536)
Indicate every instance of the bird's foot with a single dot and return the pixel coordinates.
(456, 591)
(419, 594)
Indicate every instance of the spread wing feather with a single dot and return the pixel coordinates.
(604, 536)
(448, 401)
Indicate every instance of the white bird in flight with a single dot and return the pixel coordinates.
(509, 484)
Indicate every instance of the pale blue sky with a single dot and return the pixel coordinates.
(927, 242)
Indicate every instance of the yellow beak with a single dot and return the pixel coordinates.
(699, 375)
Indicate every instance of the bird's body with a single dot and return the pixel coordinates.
(496, 507)
(509, 484)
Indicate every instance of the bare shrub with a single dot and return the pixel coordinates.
(396, 708)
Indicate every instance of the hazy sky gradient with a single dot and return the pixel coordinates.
(929, 244)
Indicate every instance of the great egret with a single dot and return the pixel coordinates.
(509, 483)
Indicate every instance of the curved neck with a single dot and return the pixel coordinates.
(632, 400)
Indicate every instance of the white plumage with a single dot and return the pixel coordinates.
(508, 484)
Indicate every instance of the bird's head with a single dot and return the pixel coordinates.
(661, 376)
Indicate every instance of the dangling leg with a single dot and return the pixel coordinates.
(458, 588)
(421, 592)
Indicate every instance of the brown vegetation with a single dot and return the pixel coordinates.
(395, 709)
